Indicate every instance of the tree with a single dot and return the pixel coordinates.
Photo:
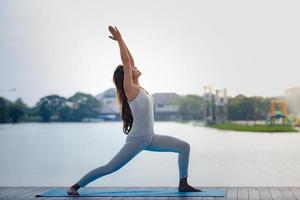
(17, 110)
(247, 108)
(49, 106)
(190, 106)
(83, 106)
(4, 110)
(64, 113)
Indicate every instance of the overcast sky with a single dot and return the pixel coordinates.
(62, 47)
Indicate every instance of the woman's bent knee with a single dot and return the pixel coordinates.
(186, 146)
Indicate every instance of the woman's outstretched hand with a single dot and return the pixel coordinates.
(116, 35)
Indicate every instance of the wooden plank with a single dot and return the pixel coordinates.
(37, 190)
(242, 193)
(5, 190)
(296, 192)
(264, 193)
(287, 193)
(232, 193)
(275, 193)
(13, 193)
(253, 193)
(8, 192)
(27, 194)
(21, 193)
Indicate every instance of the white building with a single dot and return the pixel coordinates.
(163, 107)
(110, 109)
(292, 96)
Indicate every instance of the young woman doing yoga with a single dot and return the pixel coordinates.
(137, 107)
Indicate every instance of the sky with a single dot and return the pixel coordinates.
(62, 46)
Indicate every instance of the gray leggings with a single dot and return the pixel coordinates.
(132, 147)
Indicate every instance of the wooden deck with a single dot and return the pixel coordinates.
(232, 193)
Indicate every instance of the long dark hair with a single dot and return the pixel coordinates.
(126, 114)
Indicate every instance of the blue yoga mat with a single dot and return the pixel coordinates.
(125, 192)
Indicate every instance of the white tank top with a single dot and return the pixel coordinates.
(142, 109)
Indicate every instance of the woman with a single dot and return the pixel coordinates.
(137, 109)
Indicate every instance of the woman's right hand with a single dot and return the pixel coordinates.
(116, 35)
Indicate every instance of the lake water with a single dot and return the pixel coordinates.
(58, 154)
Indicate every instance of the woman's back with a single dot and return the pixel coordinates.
(142, 108)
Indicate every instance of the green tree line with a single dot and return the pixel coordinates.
(248, 108)
(82, 105)
(51, 108)
(239, 108)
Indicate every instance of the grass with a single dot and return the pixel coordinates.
(254, 128)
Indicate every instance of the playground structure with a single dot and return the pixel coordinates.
(280, 116)
(297, 121)
(215, 105)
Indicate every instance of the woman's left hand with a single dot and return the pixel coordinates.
(116, 35)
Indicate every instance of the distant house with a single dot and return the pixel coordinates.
(110, 109)
(164, 108)
(292, 95)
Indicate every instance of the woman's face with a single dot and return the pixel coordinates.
(135, 72)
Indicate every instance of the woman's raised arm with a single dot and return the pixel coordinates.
(127, 59)
(114, 38)
(130, 56)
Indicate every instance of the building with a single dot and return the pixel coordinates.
(110, 110)
(164, 108)
(292, 96)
